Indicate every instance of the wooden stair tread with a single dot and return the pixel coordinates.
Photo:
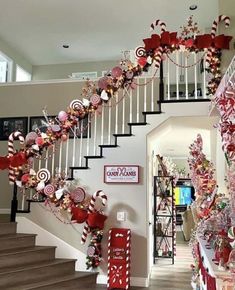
(36, 265)
(54, 280)
(15, 236)
(24, 250)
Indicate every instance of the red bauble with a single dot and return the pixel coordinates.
(142, 61)
(39, 141)
(25, 178)
(79, 215)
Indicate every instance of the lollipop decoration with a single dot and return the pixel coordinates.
(43, 175)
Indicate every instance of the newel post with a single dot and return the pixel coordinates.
(14, 203)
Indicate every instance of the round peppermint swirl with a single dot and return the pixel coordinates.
(43, 174)
(76, 105)
(140, 51)
(78, 195)
(49, 189)
(95, 99)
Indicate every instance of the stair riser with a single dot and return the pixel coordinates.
(36, 274)
(18, 242)
(7, 228)
(74, 284)
(27, 258)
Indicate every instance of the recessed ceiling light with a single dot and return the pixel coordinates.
(65, 46)
(193, 7)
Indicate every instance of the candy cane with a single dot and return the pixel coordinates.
(160, 23)
(11, 138)
(158, 57)
(91, 208)
(214, 27)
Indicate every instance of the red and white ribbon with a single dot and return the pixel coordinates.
(13, 136)
(97, 194)
(160, 23)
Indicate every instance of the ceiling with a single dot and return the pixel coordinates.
(175, 135)
(95, 30)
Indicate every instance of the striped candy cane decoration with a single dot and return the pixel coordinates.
(128, 255)
(158, 57)
(160, 23)
(13, 136)
(109, 254)
(214, 28)
(91, 207)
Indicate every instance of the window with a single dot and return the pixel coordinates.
(22, 75)
(5, 68)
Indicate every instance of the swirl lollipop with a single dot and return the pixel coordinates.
(49, 190)
(95, 100)
(78, 195)
(43, 175)
(76, 105)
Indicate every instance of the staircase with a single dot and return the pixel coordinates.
(25, 266)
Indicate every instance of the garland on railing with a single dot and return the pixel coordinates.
(164, 44)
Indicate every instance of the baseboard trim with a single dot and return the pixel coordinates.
(135, 281)
(5, 210)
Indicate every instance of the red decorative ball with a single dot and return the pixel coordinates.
(64, 137)
(25, 178)
(39, 141)
(142, 61)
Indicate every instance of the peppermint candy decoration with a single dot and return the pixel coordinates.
(49, 189)
(140, 51)
(76, 105)
(43, 174)
(95, 99)
(78, 195)
(160, 23)
(90, 251)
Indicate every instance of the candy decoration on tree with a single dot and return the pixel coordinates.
(91, 208)
(220, 18)
(11, 138)
(76, 105)
(43, 175)
(49, 190)
(160, 23)
(78, 194)
(95, 99)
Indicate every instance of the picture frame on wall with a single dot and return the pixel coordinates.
(38, 122)
(82, 128)
(9, 125)
(124, 174)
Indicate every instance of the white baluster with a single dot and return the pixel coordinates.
(60, 157)
(204, 77)
(23, 199)
(186, 76)
(131, 105)
(138, 102)
(123, 112)
(145, 95)
(152, 96)
(88, 135)
(177, 75)
(116, 114)
(195, 75)
(67, 155)
(168, 80)
(39, 163)
(53, 160)
(110, 122)
(81, 143)
(102, 127)
(74, 145)
(46, 161)
(95, 133)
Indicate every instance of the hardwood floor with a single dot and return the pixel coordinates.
(166, 276)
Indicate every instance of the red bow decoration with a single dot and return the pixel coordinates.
(4, 162)
(79, 215)
(96, 220)
(16, 160)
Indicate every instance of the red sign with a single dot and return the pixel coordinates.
(121, 174)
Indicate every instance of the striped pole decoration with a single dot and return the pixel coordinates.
(128, 255)
(13, 136)
(91, 208)
(109, 256)
(158, 57)
(160, 23)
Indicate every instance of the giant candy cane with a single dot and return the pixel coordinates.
(11, 151)
(98, 194)
(214, 28)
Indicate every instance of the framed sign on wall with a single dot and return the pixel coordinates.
(121, 174)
